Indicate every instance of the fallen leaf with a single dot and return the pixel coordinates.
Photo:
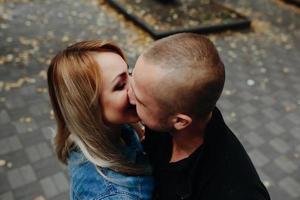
(2, 163)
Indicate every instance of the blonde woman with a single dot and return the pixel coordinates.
(88, 85)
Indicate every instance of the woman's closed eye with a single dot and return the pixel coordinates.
(122, 81)
(120, 86)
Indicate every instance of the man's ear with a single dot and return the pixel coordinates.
(181, 121)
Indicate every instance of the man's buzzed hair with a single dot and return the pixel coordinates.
(193, 73)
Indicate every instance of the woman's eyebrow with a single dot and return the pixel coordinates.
(120, 75)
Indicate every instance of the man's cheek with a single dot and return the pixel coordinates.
(140, 113)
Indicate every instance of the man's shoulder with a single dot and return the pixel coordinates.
(227, 151)
(224, 144)
(235, 192)
(227, 164)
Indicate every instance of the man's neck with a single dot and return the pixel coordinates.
(186, 141)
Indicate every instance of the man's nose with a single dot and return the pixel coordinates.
(131, 95)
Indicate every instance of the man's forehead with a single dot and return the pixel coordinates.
(146, 72)
(143, 80)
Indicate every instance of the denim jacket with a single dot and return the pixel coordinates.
(88, 184)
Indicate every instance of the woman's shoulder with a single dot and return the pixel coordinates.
(85, 182)
(88, 184)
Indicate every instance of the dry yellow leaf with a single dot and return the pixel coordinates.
(2, 163)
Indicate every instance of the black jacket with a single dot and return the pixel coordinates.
(220, 169)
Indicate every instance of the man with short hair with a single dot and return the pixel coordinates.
(175, 86)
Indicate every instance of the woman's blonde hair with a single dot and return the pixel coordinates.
(74, 82)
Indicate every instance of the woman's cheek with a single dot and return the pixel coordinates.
(122, 100)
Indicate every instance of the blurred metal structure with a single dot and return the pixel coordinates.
(296, 2)
(166, 17)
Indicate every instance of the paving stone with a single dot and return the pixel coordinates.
(25, 127)
(21, 176)
(63, 196)
(294, 118)
(277, 193)
(274, 171)
(4, 117)
(270, 113)
(31, 138)
(48, 132)
(248, 108)
(15, 178)
(17, 113)
(291, 186)
(258, 158)
(267, 100)
(33, 153)
(254, 139)
(298, 148)
(4, 187)
(10, 144)
(7, 130)
(28, 191)
(39, 151)
(17, 158)
(14, 143)
(269, 150)
(28, 174)
(5, 147)
(49, 187)
(279, 84)
(250, 122)
(226, 104)
(44, 150)
(267, 180)
(274, 128)
(46, 167)
(296, 86)
(39, 108)
(12, 102)
(28, 90)
(279, 145)
(246, 96)
(61, 181)
(285, 164)
(296, 132)
(7, 196)
(46, 121)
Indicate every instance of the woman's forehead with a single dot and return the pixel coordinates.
(111, 64)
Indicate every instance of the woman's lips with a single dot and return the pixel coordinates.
(130, 106)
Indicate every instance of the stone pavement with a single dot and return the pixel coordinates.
(260, 102)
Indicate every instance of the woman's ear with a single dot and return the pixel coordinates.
(181, 121)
